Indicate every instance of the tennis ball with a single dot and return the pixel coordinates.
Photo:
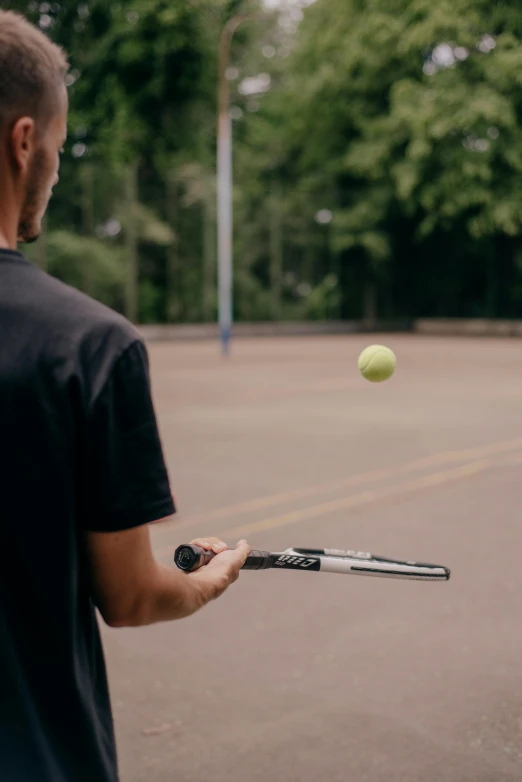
(377, 363)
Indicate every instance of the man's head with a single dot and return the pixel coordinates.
(33, 125)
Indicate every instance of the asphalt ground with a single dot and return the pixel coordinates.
(303, 676)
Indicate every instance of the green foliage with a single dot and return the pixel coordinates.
(149, 302)
(402, 118)
(410, 110)
(88, 264)
(323, 301)
(149, 228)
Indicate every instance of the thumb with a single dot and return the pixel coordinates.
(243, 548)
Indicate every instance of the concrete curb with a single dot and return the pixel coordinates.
(200, 331)
(440, 327)
(460, 327)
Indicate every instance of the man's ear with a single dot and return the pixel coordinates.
(22, 140)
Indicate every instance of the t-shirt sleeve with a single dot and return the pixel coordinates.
(124, 478)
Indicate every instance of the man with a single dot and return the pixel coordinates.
(81, 465)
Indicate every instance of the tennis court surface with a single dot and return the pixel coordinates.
(294, 677)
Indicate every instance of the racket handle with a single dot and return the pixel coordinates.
(257, 560)
(189, 558)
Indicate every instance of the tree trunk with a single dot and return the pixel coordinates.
(276, 247)
(173, 303)
(131, 242)
(370, 303)
(42, 245)
(209, 256)
(87, 181)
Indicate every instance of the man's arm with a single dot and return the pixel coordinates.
(123, 486)
(132, 589)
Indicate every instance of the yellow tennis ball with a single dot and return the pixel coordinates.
(377, 363)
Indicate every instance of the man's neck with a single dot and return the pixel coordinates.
(9, 214)
(5, 244)
(8, 227)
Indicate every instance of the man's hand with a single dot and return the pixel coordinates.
(210, 544)
(131, 588)
(223, 569)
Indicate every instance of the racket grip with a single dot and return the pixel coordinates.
(189, 557)
(257, 560)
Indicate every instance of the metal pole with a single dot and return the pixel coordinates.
(224, 184)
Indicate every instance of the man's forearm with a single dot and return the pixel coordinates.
(131, 588)
(171, 595)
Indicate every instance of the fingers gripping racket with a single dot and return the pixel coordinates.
(355, 563)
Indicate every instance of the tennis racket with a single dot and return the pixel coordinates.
(355, 563)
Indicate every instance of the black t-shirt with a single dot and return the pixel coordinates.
(79, 450)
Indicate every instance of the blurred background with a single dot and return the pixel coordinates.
(377, 152)
(377, 179)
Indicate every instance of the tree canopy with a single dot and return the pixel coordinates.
(377, 155)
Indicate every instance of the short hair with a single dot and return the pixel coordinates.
(31, 69)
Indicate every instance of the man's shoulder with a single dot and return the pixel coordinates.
(66, 334)
(76, 317)
(70, 332)
(81, 335)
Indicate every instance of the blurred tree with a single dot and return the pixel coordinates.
(412, 109)
(377, 154)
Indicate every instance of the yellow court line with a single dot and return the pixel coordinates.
(509, 460)
(362, 498)
(416, 465)
(354, 501)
